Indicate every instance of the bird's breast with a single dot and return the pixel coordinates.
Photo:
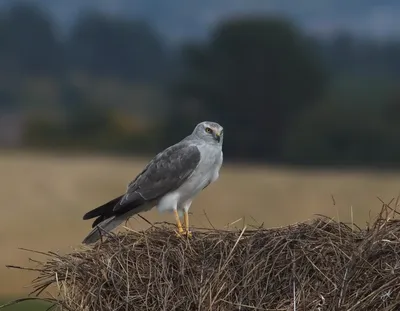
(206, 172)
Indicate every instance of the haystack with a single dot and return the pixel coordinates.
(316, 265)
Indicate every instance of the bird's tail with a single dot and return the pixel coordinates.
(102, 212)
(106, 226)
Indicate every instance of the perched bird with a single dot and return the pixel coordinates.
(170, 181)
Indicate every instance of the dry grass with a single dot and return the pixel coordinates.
(316, 265)
(43, 198)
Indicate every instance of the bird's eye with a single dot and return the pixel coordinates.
(208, 130)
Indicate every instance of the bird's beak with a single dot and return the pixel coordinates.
(218, 137)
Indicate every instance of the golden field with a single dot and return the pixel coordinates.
(43, 198)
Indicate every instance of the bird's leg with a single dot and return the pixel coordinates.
(185, 207)
(178, 223)
(188, 233)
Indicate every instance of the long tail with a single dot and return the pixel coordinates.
(102, 212)
(105, 226)
(108, 218)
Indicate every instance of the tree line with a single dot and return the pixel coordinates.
(282, 95)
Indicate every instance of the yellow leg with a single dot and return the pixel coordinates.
(178, 223)
(188, 233)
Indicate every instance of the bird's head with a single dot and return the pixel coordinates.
(210, 132)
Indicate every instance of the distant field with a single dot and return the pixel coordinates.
(43, 198)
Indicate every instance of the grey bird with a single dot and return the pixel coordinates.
(170, 181)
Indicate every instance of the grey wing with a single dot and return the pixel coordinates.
(165, 173)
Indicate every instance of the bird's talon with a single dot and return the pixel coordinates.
(179, 233)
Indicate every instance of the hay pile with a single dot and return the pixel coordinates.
(317, 265)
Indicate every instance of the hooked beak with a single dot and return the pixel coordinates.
(218, 137)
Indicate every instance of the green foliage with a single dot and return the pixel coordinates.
(281, 95)
(28, 43)
(331, 134)
(107, 46)
(43, 133)
(349, 127)
(90, 128)
(346, 54)
(253, 76)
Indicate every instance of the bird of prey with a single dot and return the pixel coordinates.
(170, 181)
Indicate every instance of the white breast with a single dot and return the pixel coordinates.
(206, 172)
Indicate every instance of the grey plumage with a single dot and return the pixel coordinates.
(170, 180)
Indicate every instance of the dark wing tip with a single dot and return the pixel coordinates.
(86, 216)
(98, 220)
(90, 215)
(104, 209)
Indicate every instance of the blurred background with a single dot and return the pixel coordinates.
(307, 91)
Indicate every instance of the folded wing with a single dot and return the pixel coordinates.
(166, 172)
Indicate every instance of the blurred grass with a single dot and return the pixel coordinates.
(43, 198)
(26, 306)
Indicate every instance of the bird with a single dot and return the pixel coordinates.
(170, 181)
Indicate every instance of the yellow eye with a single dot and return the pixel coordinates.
(208, 130)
